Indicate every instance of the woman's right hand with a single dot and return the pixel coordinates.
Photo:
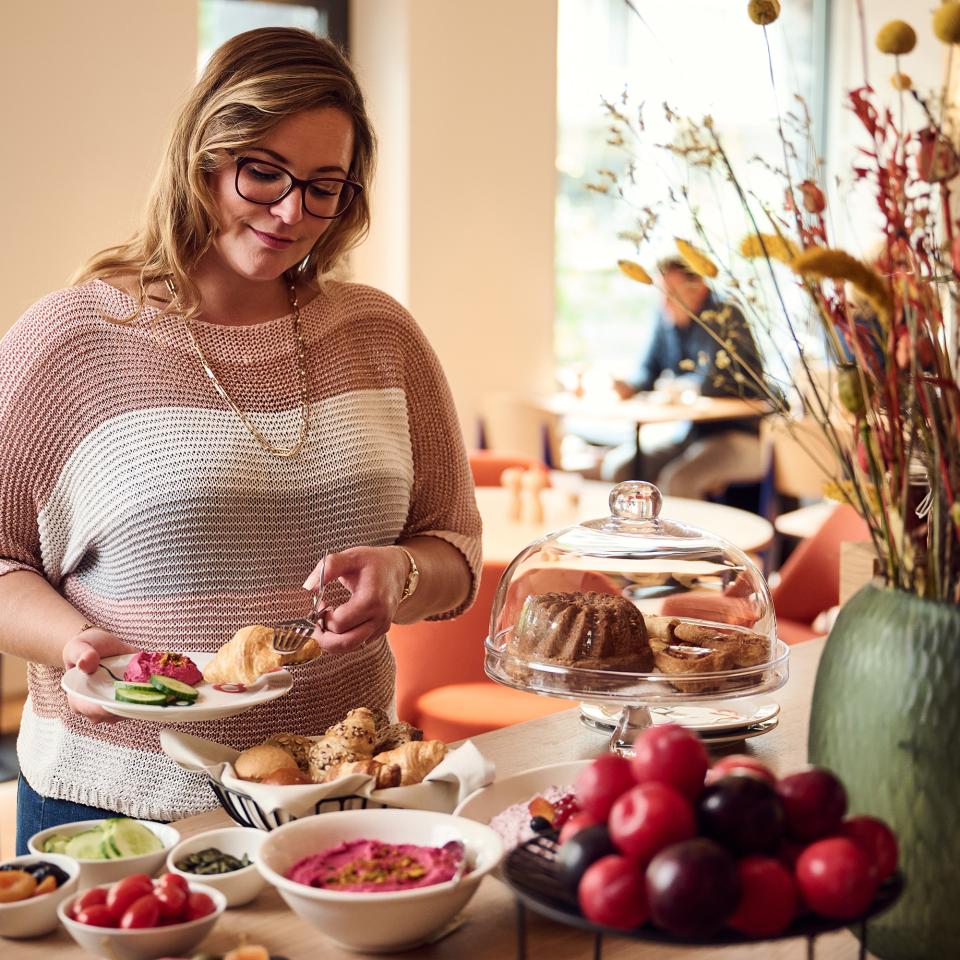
(85, 651)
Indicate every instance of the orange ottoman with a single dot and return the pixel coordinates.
(461, 710)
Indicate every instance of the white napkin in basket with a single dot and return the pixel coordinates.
(457, 776)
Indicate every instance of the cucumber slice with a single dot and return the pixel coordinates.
(56, 843)
(149, 697)
(127, 838)
(126, 685)
(176, 689)
(87, 845)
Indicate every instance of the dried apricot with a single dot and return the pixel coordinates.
(16, 885)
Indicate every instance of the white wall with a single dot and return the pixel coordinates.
(89, 92)
(464, 205)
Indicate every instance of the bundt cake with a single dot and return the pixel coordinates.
(592, 631)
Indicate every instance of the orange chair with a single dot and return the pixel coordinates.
(487, 465)
(810, 579)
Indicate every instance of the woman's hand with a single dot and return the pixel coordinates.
(375, 577)
(85, 650)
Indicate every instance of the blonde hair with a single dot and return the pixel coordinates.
(252, 82)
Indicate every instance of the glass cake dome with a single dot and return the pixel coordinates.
(635, 610)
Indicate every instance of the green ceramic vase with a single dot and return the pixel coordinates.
(886, 719)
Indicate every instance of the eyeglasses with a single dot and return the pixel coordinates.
(266, 183)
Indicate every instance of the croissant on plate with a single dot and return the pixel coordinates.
(249, 654)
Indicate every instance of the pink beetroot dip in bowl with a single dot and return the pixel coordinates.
(390, 919)
(371, 866)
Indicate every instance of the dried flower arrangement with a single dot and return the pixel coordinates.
(891, 408)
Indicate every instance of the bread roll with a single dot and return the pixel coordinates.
(357, 731)
(258, 762)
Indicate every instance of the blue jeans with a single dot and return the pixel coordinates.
(36, 812)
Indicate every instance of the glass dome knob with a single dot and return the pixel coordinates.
(635, 500)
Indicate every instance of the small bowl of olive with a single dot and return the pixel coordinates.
(225, 859)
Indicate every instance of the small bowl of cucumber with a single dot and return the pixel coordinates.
(108, 850)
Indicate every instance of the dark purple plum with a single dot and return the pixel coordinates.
(586, 846)
(742, 813)
(692, 888)
(814, 802)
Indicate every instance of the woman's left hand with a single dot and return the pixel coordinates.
(375, 577)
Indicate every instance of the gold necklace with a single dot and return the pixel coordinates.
(251, 427)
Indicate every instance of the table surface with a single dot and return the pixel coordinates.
(804, 521)
(504, 538)
(488, 930)
(653, 407)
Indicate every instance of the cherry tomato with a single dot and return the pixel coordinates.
(172, 900)
(835, 878)
(612, 893)
(93, 897)
(142, 914)
(768, 898)
(96, 915)
(125, 891)
(876, 840)
(740, 763)
(671, 755)
(198, 905)
(648, 818)
(173, 880)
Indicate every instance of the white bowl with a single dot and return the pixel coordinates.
(238, 886)
(38, 915)
(378, 922)
(95, 873)
(147, 944)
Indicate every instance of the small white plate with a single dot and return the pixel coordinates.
(705, 718)
(212, 704)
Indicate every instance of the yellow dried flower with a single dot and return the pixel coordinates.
(768, 245)
(763, 12)
(901, 81)
(825, 263)
(844, 492)
(896, 37)
(634, 271)
(696, 259)
(946, 22)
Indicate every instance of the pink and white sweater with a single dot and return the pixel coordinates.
(127, 483)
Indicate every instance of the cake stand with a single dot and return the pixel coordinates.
(707, 613)
(635, 693)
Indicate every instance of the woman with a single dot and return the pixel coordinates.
(201, 418)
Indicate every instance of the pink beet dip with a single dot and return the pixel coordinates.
(370, 866)
(162, 663)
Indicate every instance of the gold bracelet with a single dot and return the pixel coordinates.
(86, 627)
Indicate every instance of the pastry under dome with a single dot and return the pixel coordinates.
(588, 630)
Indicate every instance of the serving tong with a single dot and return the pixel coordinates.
(290, 635)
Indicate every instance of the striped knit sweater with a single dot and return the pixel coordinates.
(127, 483)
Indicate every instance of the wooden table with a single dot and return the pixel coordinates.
(489, 931)
(504, 538)
(654, 407)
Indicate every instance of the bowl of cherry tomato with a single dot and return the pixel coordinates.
(31, 889)
(138, 918)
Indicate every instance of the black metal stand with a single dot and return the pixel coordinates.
(598, 938)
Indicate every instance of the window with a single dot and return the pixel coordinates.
(222, 19)
(700, 56)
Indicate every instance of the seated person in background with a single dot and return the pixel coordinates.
(711, 455)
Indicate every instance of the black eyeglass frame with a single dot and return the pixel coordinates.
(296, 183)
